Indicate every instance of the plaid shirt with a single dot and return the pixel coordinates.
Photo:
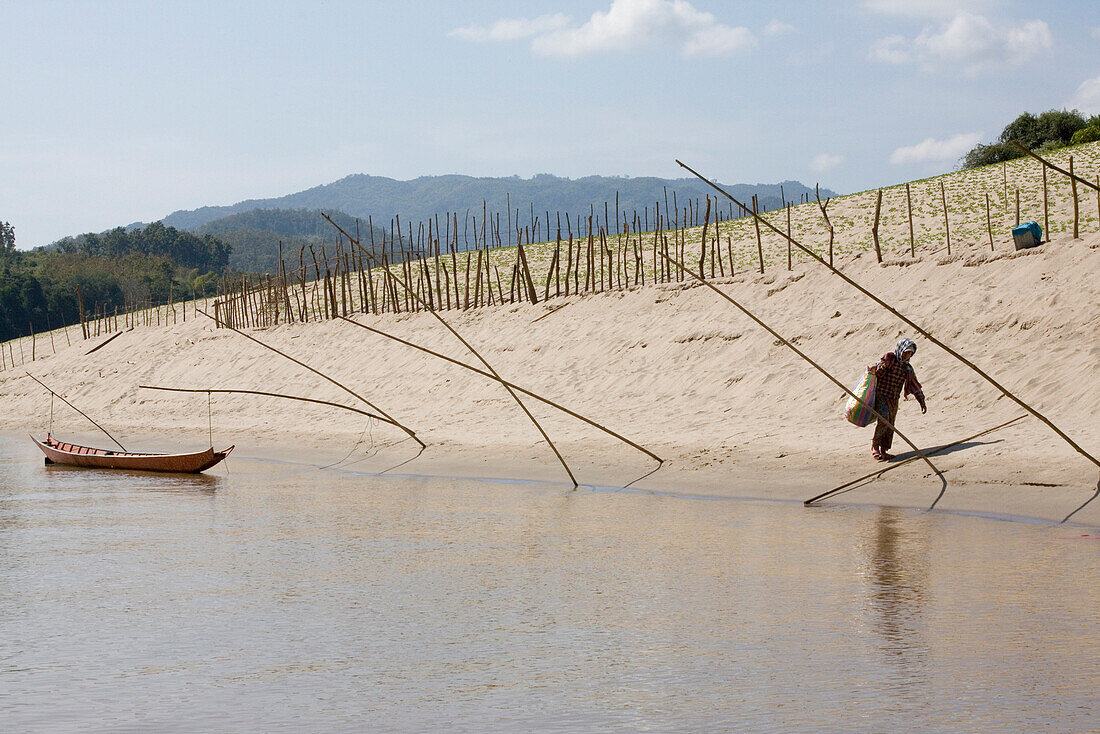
(892, 377)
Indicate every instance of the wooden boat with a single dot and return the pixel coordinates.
(58, 452)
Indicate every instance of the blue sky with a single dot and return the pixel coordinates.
(117, 112)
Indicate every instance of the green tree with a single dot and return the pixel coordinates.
(7, 240)
(1044, 132)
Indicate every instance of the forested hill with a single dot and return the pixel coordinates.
(381, 198)
(254, 236)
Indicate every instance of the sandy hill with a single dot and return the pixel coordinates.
(675, 368)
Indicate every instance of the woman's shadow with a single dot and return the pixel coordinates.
(944, 449)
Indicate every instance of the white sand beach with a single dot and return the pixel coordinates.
(672, 367)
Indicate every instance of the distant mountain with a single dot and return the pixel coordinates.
(255, 235)
(380, 198)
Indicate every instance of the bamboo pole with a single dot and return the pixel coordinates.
(78, 410)
(946, 222)
(487, 366)
(874, 229)
(268, 394)
(988, 222)
(703, 242)
(923, 332)
(818, 367)
(788, 242)
(760, 242)
(824, 213)
(912, 241)
(512, 385)
(1063, 171)
(847, 486)
(1046, 206)
(383, 414)
(1073, 188)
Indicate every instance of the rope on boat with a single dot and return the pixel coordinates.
(78, 410)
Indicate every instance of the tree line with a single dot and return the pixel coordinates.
(1041, 133)
(118, 269)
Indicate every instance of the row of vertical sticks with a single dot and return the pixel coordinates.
(590, 260)
(447, 278)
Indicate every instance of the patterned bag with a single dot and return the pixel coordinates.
(858, 412)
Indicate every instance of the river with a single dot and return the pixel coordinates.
(279, 597)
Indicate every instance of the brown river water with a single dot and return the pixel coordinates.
(280, 597)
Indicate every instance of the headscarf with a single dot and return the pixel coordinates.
(905, 345)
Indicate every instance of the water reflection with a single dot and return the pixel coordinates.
(63, 476)
(898, 587)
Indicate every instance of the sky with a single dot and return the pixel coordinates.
(116, 112)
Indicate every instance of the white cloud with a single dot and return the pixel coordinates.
(968, 42)
(778, 28)
(825, 161)
(511, 29)
(718, 41)
(928, 8)
(1096, 33)
(892, 50)
(632, 24)
(1087, 98)
(933, 151)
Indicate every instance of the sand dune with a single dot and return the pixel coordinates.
(671, 366)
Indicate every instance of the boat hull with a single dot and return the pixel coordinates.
(68, 454)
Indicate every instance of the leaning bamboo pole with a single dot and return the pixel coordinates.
(384, 415)
(512, 385)
(923, 332)
(488, 366)
(1047, 163)
(815, 365)
(78, 410)
(209, 390)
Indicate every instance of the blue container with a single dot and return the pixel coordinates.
(1026, 235)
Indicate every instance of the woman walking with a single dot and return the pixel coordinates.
(893, 375)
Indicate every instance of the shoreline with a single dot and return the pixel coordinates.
(993, 497)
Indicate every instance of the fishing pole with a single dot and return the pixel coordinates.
(514, 386)
(317, 372)
(78, 410)
(270, 395)
(412, 292)
(819, 368)
(905, 319)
